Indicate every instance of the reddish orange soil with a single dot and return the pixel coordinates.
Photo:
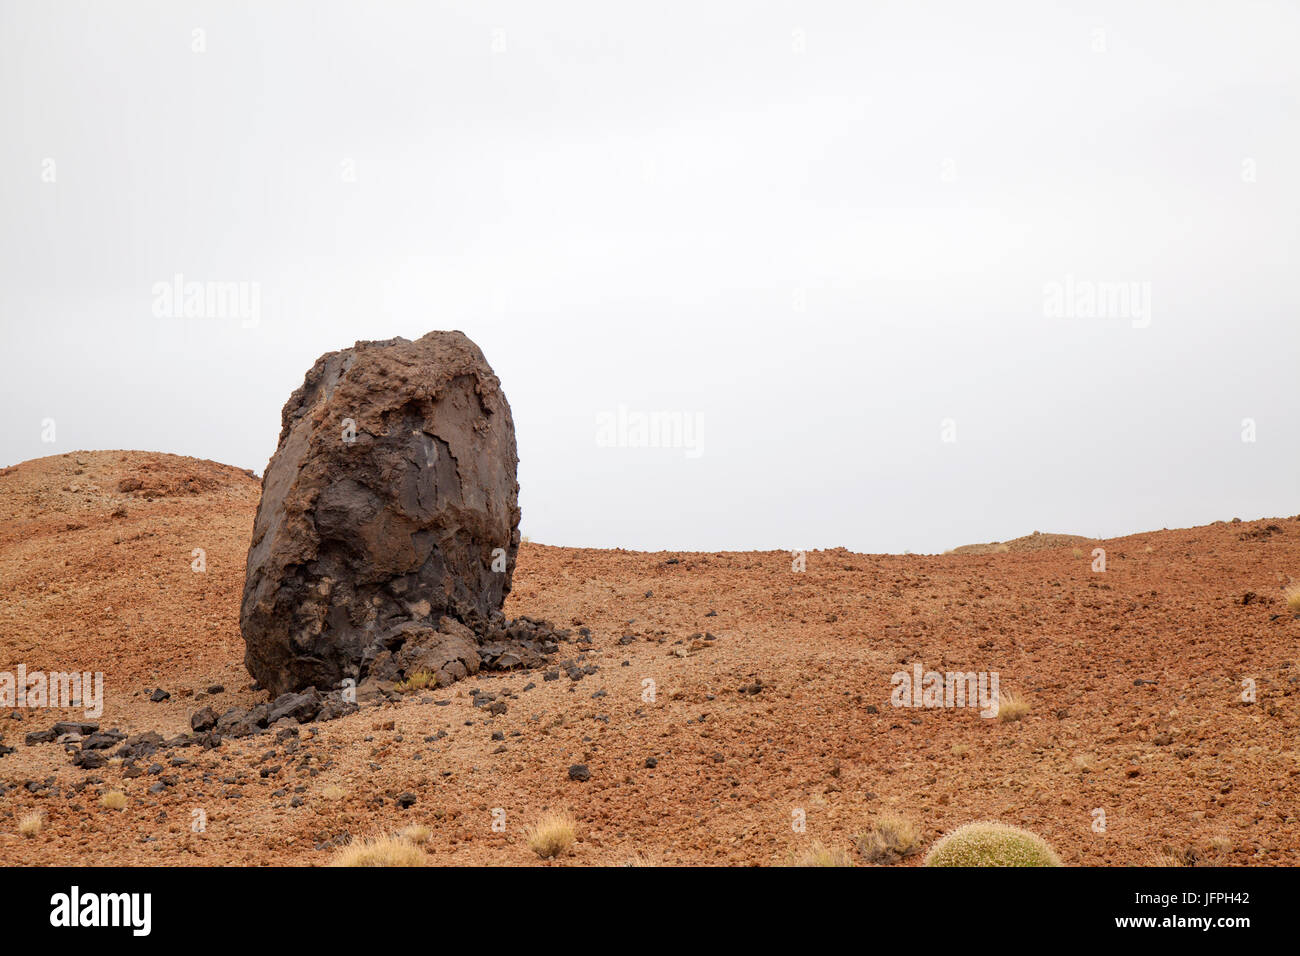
(95, 573)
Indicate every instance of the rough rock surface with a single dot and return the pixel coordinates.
(389, 521)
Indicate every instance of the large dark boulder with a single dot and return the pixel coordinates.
(389, 518)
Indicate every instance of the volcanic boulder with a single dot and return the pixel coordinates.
(389, 520)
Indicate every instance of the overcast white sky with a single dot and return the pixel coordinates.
(818, 229)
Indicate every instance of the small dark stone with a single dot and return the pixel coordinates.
(405, 800)
(140, 745)
(301, 707)
(159, 695)
(102, 740)
(652, 762)
(203, 720)
(579, 772)
(89, 760)
(74, 727)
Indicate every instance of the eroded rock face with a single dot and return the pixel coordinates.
(386, 535)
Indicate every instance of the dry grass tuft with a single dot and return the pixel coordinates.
(552, 835)
(1220, 845)
(890, 839)
(820, 855)
(1292, 597)
(419, 680)
(30, 824)
(380, 851)
(113, 800)
(991, 844)
(416, 833)
(1170, 855)
(333, 792)
(1012, 706)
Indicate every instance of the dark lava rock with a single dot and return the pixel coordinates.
(203, 720)
(335, 707)
(74, 727)
(40, 737)
(405, 800)
(579, 772)
(652, 762)
(89, 759)
(391, 501)
(140, 745)
(300, 707)
(102, 740)
(159, 695)
(238, 722)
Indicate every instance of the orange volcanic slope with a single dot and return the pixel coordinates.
(1134, 679)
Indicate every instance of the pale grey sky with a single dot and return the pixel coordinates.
(818, 230)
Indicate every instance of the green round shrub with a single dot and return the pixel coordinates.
(991, 844)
